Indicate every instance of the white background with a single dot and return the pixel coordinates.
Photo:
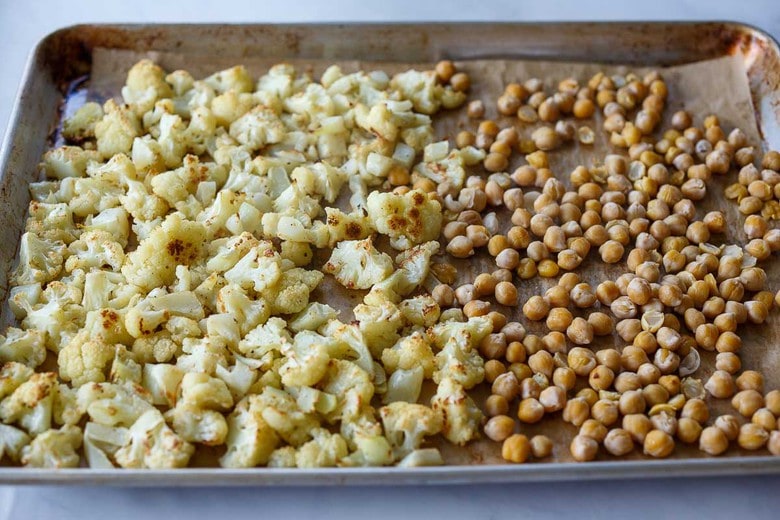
(24, 22)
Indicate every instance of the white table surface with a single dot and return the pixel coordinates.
(23, 23)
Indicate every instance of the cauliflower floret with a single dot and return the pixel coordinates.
(59, 318)
(265, 341)
(66, 406)
(95, 249)
(259, 269)
(249, 313)
(203, 355)
(143, 205)
(40, 260)
(23, 297)
(306, 361)
(461, 362)
(407, 424)
(81, 125)
(203, 391)
(194, 424)
(83, 360)
(145, 85)
(23, 346)
(441, 165)
(351, 384)
(111, 404)
(421, 311)
(68, 161)
(124, 368)
(230, 106)
(116, 131)
(158, 348)
(424, 457)
(313, 316)
(236, 79)
(404, 385)
(410, 352)
(147, 315)
(419, 87)
(12, 375)
(54, 449)
(462, 417)
(239, 379)
(320, 179)
(351, 344)
(291, 292)
(407, 219)
(51, 222)
(111, 220)
(281, 412)
(162, 382)
(283, 457)
(31, 403)
(12, 441)
(325, 450)
(299, 253)
(413, 265)
(357, 264)
(153, 263)
(379, 324)
(347, 226)
(257, 128)
(226, 252)
(250, 439)
(365, 437)
(152, 444)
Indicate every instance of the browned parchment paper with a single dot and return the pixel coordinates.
(718, 86)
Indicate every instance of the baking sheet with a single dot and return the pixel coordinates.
(718, 86)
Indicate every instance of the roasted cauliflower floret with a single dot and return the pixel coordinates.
(95, 249)
(199, 425)
(152, 444)
(40, 260)
(54, 449)
(407, 424)
(281, 412)
(31, 403)
(462, 417)
(357, 264)
(313, 316)
(410, 352)
(23, 346)
(175, 242)
(116, 131)
(51, 222)
(257, 128)
(12, 375)
(323, 451)
(250, 439)
(145, 85)
(407, 219)
(12, 440)
(347, 226)
(291, 293)
(85, 360)
(68, 161)
(81, 125)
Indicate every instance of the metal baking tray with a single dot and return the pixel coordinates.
(65, 56)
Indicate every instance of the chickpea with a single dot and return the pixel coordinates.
(564, 377)
(638, 426)
(697, 410)
(750, 380)
(530, 410)
(605, 411)
(499, 428)
(516, 448)
(772, 401)
(496, 405)
(553, 399)
(476, 308)
(460, 247)
(541, 446)
(443, 295)
(720, 385)
(764, 418)
(536, 308)
(752, 437)
(746, 402)
(581, 360)
(576, 411)
(580, 332)
(460, 82)
(658, 444)
(713, 441)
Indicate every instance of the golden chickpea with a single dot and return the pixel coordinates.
(638, 426)
(583, 449)
(493, 369)
(752, 437)
(772, 402)
(576, 411)
(445, 69)
(559, 319)
(720, 385)
(460, 247)
(506, 293)
(593, 429)
(605, 411)
(516, 448)
(729, 425)
(499, 428)
(750, 380)
(476, 308)
(564, 377)
(746, 402)
(601, 323)
(541, 446)
(618, 442)
(536, 308)
(580, 332)
(443, 295)
(581, 360)
(496, 162)
(764, 418)
(465, 138)
(654, 394)
(713, 441)
(632, 402)
(553, 399)
(460, 82)
(658, 444)
(530, 411)
(611, 251)
(688, 430)
(508, 259)
(496, 405)
(475, 109)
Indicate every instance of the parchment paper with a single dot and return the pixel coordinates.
(713, 87)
